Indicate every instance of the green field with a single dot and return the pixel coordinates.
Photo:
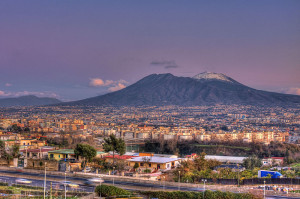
(296, 165)
(223, 146)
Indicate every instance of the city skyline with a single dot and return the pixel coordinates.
(78, 50)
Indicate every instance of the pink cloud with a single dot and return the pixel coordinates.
(98, 82)
(117, 87)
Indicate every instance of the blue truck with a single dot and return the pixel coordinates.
(273, 174)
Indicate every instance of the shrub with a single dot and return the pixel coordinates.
(107, 190)
(197, 195)
(3, 184)
(6, 191)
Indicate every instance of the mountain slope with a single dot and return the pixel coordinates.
(29, 100)
(203, 89)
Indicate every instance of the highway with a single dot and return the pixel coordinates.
(37, 180)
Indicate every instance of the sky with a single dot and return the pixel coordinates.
(81, 48)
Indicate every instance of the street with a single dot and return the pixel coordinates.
(80, 180)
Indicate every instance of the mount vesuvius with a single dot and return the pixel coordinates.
(202, 89)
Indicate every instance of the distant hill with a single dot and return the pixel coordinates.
(29, 100)
(202, 89)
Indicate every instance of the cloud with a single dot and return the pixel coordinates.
(98, 82)
(295, 91)
(23, 93)
(110, 84)
(8, 84)
(117, 87)
(165, 64)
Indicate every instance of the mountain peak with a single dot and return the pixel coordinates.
(213, 76)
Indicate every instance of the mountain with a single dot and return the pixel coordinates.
(202, 89)
(28, 100)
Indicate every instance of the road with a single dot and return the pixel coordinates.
(79, 180)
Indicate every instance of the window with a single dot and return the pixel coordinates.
(141, 164)
(51, 155)
(149, 165)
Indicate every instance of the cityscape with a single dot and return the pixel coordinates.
(107, 100)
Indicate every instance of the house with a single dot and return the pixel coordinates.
(154, 162)
(226, 159)
(273, 161)
(36, 153)
(61, 154)
(117, 157)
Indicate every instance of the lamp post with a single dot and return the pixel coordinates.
(204, 180)
(264, 189)
(45, 180)
(179, 180)
(113, 176)
(238, 175)
(101, 187)
(65, 185)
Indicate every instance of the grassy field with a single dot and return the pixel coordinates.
(223, 146)
(296, 165)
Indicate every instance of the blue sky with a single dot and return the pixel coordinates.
(78, 49)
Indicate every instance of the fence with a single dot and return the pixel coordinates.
(287, 181)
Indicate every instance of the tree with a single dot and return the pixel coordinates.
(85, 151)
(136, 166)
(251, 162)
(115, 145)
(15, 151)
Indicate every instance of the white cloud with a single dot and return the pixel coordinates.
(22, 93)
(117, 87)
(8, 84)
(295, 91)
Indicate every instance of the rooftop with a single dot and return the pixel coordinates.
(154, 159)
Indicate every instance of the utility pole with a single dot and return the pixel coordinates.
(45, 180)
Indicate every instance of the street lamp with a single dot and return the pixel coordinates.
(238, 175)
(204, 180)
(101, 187)
(179, 180)
(264, 189)
(45, 181)
(65, 185)
(113, 176)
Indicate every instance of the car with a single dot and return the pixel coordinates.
(69, 183)
(93, 181)
(87, 169)
(23, 181)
